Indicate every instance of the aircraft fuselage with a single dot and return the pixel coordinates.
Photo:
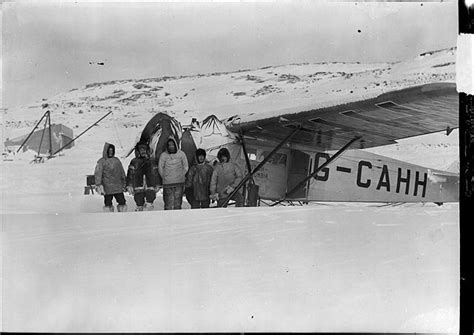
(356, 175)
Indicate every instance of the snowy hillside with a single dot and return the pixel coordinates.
(250, 94)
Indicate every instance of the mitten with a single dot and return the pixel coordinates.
(100, 189)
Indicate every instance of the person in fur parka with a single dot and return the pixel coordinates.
(142, 177)
(172, 167)
(198, 180)
(225, 178)
(110, 179)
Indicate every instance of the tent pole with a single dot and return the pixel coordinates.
(75, 138)
(31, 133)
(50, 136)
(42, 136)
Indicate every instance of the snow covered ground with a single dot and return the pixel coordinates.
(313, 268)
(325, 267)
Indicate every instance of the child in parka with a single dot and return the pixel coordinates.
(199, 180)
(110, 179)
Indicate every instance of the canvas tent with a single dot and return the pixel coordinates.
(210, 135)
(158, 130)
(213, 135)
(39, 139)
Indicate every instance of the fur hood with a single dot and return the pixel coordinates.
(171, 138)
(106, 148)
(138, 145)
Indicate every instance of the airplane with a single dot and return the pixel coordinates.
(305, 155)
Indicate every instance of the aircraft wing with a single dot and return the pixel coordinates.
(380, 121)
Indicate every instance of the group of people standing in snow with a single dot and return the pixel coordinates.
(202, 183)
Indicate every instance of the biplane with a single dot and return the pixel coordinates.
(318, 154)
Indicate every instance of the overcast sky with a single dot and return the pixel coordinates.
(49, 48)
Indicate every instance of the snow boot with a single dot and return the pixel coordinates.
(122, 208)
(149, 206)
(139, 209)
(107, 209)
